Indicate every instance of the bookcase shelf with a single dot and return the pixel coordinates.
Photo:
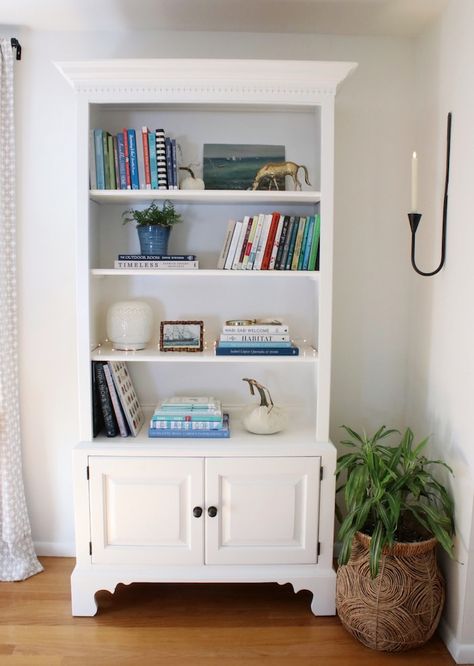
(273, 495)
(248, 197)
(206, 273)
(105, 352)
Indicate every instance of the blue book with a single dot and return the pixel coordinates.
(252, 351)
(307, 245)
(174, 164)
(121, 161)
(223, 432)
(132, 155)
(153, 164)
(169, 163)
(254, 345)
(303, 244)
(156, 257)
(99, 159)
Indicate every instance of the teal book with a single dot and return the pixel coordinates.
(314, 244)
(307, 244)
(220, 433)
(153, 164)
(291, 245)
(99, 159)
(303, 244)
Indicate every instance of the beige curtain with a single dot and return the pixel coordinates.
(17, 556)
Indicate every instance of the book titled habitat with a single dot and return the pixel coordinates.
(233, 166)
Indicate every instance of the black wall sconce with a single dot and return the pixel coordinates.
(414, 217)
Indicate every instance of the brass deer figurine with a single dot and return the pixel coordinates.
(275, 170)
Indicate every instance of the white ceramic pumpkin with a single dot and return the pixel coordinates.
(266, 418)
(191, 182)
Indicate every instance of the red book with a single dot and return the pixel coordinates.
(127, 159)
(146, 158)
(270, 241)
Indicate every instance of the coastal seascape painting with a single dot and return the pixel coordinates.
(233, 166)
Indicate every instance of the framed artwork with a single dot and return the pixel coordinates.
(181, 336)
(233, 166)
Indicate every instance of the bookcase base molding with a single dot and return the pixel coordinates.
(322, 584)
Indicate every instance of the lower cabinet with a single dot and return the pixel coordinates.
(203, 511)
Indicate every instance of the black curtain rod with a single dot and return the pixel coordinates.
(16, 45)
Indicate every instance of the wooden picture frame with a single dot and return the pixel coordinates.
(181, 335)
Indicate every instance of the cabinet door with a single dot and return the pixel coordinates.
(142, 510)
(267, 510)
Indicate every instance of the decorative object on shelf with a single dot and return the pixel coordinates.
(266, 419)
(231, 166)
(389, 591)
(274, 172)
(190, 182)
(181, 336)
(414, 217)
(129, 325)
(153, 226)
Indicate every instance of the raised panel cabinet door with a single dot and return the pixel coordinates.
(262, 510)
(142, 510)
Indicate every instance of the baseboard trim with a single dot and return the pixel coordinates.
(54, 549)
(462, 653)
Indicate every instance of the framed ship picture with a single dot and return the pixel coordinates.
(181, 336)
(233, 166)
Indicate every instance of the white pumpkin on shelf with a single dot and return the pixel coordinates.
(266, 418)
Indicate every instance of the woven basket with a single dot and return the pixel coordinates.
(401, 607)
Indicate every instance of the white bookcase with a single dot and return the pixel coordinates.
(250, 508)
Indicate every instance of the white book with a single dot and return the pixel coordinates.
(258, 232)
(254, 337)
(226, 246)
(235, 239)
(276, 244)
(262, 243)
(257, 328)
(238, 250)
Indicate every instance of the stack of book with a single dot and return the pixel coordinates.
(189, 416)
(115, 406)
(271, 242)
(123, 162)
(256, 340)
(157, 261)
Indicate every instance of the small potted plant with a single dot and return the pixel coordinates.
(153, 226)
(389, 591)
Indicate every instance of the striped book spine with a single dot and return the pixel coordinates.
(161, 159)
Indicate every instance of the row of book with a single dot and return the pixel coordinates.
(190, 417)
(256, 340)
(157, 261)
(115, 406)
(272, 242)
(124, 162)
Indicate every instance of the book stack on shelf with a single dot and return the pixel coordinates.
(124, 162)
(189, 416)
(157, 261)
(271, 242)
(115, 406)
(272, 339)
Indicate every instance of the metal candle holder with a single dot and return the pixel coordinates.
(414, 218)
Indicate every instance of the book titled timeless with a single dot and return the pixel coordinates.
(171, 264)
(268, 350)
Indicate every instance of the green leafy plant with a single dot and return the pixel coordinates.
(153, 215)
(391, 494)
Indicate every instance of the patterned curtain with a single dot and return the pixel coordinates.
(17, 556)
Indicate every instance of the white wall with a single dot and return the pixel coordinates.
(372, 154)
(441, 352)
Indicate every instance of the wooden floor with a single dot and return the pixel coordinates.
(172, 624)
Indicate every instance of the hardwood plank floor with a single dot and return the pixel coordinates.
(172, 624)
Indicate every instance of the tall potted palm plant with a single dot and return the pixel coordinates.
(389, 591)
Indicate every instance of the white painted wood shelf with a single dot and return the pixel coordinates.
(206, 272)
(105, 352)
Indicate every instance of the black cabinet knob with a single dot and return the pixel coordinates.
(197, 512)
(212, 511)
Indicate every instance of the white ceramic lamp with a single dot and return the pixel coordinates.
(129, 325)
